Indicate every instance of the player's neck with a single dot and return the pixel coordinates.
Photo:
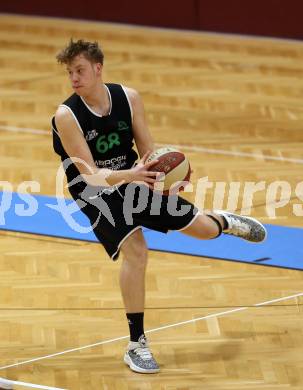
(98, 99)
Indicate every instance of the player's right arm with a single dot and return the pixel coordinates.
(77, 148)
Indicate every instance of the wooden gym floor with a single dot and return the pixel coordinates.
(203, 92)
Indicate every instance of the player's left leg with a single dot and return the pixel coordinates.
(212, 224)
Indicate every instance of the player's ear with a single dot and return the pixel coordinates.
(98, 68)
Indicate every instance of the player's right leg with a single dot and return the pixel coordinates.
(132, 282)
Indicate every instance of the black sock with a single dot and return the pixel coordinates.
(135, 323)
(220, 229)
(225, 223)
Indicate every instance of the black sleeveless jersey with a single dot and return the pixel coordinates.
(110, 138)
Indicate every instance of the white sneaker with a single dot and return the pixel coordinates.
(139, 357)
(244, 227)
(5, 384)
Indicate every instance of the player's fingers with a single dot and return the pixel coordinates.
(151, 180)
(158, 176)
(150, 164)
(151, 173)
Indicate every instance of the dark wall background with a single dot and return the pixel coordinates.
(279, 18)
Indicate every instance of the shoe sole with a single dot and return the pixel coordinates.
(140, 370)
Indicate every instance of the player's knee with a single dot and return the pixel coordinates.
(209, 230)
(136, 258)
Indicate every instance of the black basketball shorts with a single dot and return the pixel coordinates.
(115, 213)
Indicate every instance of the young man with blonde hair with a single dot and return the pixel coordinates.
(94, 132)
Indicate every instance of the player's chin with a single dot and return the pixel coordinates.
(78, 90)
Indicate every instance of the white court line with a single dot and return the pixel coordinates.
(15, 129)
(6, 382)
(199, 149)
(151, 331)
(234, 153)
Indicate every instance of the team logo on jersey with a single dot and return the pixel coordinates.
(122, 126)
(91, 134)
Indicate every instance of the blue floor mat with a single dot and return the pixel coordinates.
(39, 215)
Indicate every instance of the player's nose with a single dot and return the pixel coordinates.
(73, 77)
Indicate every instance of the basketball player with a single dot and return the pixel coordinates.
(94, 131)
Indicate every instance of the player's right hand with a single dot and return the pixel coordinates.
(143, 173)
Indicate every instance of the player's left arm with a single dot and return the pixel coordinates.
(142, 136)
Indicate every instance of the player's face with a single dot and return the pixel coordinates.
(83, 74)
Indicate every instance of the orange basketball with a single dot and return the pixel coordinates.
(174, 165)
